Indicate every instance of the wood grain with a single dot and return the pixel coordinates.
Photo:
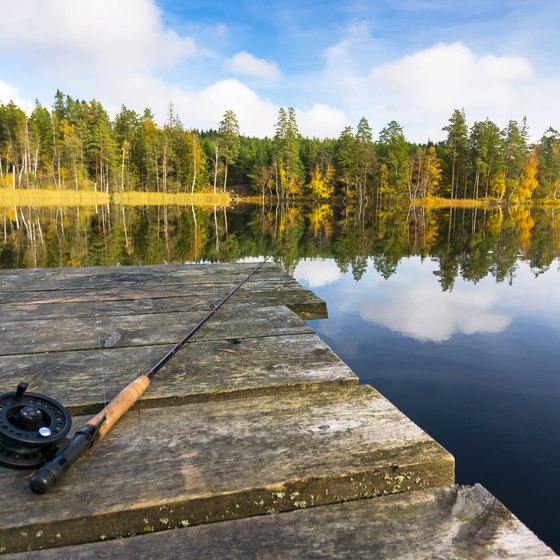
(55, 293)
(236, 320)
(92, 305)
(205, 370)
(185, 465)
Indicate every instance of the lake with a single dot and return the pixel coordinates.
(452, 314)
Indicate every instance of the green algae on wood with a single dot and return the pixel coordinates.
(451, 523)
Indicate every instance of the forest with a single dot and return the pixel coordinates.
(76, 145)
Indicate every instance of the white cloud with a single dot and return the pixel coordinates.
(321, 121)
(425, 87)
(317, 273)
(128, 34)
(9, 93)
(420, 90)
(451, 76)
(246, 64)
(205, 108)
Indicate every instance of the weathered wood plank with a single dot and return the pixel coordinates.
(134, 278)
(306, 306)
(35, 292)
(452, 523)
(25, 303)
(83, 380)
(79, 333)
(101, 277)
(175, 466)
(89, 309)
(152, 288)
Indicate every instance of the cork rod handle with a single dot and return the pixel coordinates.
(119, 405)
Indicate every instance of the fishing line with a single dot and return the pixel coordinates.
(101, 353)
(213, 309)
(212, 329)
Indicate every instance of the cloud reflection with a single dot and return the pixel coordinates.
(422, 311)
(412, 303)
(315, 273)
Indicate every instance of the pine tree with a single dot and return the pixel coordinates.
(346, 159)
(392, 151)
(516, 150)
(126, 126)
(229, 141)
(289, 167)
(365, 156)
(486, 146)
(457, 145)
(549, 166)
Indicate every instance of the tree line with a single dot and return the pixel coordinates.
(75, 144)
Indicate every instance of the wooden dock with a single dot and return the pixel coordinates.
(253, 441)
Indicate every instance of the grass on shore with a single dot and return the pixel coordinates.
(436, 202)
(50, 197)
(70, 197)
(163, 199)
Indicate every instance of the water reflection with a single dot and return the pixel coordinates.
(413, 304)
(317, 272)
(465, 243)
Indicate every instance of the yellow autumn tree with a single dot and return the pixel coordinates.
(194, 163)
(291, 183)
(498, 185)
(384, 188)
(322, 183)
(528, 182)
(425, 173)
(434, 171)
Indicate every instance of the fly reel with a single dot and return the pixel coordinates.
(31, 428)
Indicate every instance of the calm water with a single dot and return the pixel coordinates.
(477, 368)
(454, 315)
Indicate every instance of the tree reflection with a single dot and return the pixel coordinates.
(468, 242)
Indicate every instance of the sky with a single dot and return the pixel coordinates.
(413, 61)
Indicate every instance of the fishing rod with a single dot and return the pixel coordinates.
(33, 427)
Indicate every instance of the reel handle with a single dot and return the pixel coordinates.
(93, 430)
(52, 471)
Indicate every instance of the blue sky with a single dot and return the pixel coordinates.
(410, 61)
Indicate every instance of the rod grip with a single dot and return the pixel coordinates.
(119, 405)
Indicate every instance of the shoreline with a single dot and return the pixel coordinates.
(72, 197)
